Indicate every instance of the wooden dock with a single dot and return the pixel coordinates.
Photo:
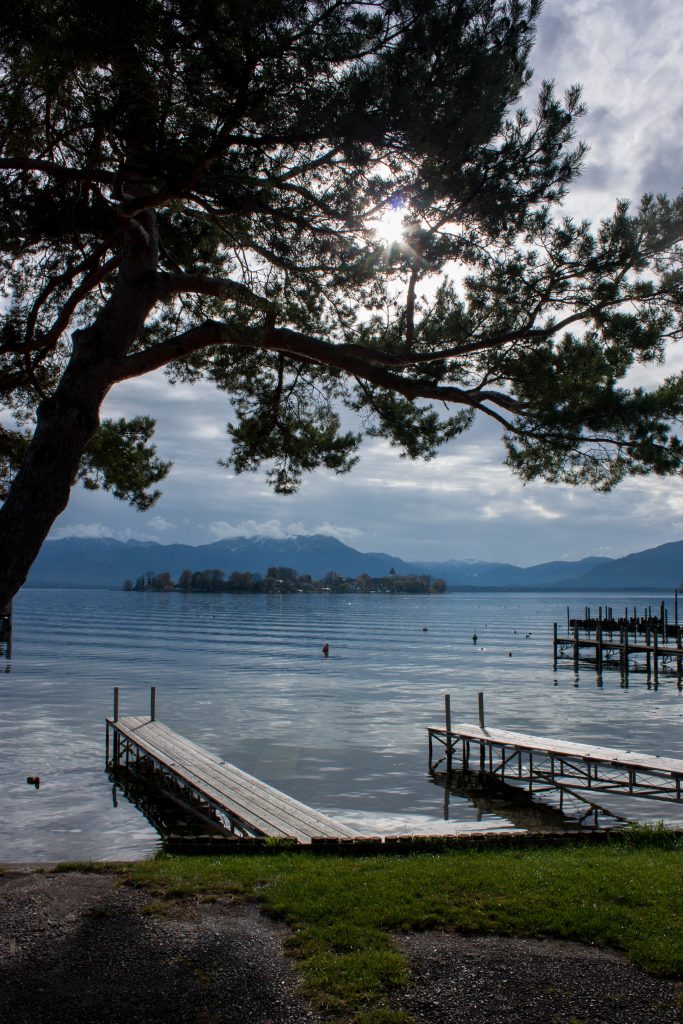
(163, 773)
(228, 801)
(632, 643)
(603, 649)
(541, 762)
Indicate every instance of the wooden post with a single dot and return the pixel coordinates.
(655, 655)
(152, 703)
(449, 742)
(576, 647)
(568, 622)
(676, 608)
(622, 630)
(626, 655)
(482, 726)
(116, 738)
(598, 648)
(648, 654)
(554, 645)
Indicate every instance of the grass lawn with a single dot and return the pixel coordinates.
(626, 893)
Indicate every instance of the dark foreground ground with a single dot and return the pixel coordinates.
(82, 948)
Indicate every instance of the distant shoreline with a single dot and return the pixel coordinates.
(450, 589)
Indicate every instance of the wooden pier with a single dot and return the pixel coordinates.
(227, 801)
(647, 642)
(174, 783)
(541, 763)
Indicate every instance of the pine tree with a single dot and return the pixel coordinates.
(199, 187)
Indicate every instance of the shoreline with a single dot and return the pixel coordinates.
(187, 938)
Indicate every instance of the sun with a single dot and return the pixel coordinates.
(390, 227)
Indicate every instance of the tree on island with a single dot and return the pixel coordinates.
(282, 580)
(206, 188)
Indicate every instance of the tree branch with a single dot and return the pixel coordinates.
(55, 170)
(212, 333)
(220, 287)
(410, 311)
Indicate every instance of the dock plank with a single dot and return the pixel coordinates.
(255, 804)
(270, 815)
(267, 817)
(263, 795)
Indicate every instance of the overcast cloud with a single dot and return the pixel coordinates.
(464, 503)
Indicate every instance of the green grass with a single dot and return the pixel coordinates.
(627, 894)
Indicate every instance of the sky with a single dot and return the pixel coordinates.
(464, 504)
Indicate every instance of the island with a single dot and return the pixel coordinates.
(283, 580)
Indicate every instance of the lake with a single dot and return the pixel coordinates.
(243, 675)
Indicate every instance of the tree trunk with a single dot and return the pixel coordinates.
(69, 418)
(40, 492)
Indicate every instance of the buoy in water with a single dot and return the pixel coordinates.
(326, 650)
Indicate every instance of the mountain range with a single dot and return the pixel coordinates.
(79, 562)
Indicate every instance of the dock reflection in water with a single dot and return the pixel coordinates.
(554, 810)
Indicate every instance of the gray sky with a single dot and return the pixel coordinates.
(464, 504)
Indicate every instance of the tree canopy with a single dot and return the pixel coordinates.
(201, 186)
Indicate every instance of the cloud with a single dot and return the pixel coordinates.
(276, 530)
(160, 525)
(89, 530)
(273, 528)
(346, 534)
(98, 531)
(539, 510)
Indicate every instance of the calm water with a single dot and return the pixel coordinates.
(243, 675)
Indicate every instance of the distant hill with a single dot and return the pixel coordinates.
(659, 568)
(502, 574)
(77, 562)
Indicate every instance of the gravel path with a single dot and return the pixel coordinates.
(78, 948)
(464, 978)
